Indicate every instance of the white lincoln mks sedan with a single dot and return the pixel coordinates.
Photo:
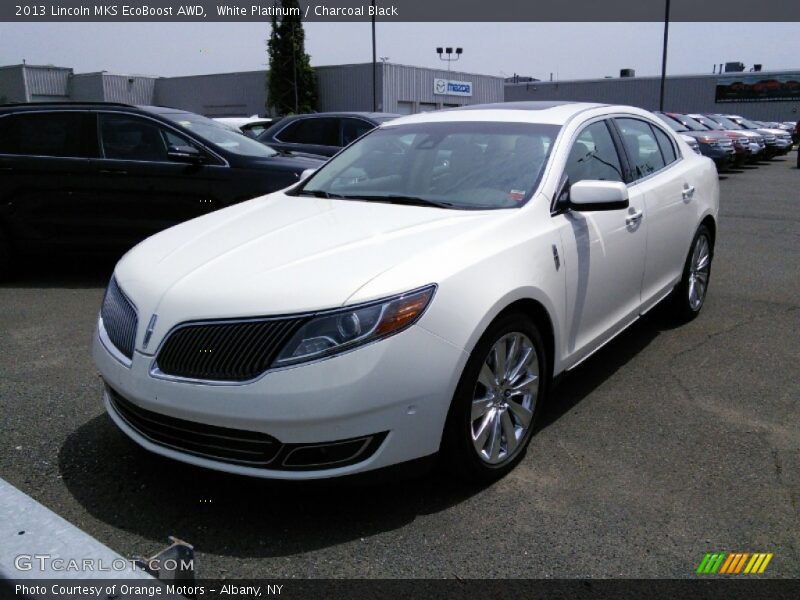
(415, 295)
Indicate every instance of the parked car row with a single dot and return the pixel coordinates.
(731, 140)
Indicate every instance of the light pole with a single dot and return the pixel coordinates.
(664, 56)
(449, 58)
(449, 52)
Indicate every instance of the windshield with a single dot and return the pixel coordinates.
(463, 165)
(749, 124)
(691, 124)
(672, 123)
(710, 124)
(221, 135)
(727, 123)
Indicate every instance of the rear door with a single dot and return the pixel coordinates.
(140, 190)
(604, 251)
(664, 178)
(46, 187)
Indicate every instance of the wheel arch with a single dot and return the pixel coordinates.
(711, 224)
(527, 302)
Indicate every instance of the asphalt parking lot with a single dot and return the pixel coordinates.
(669, 443)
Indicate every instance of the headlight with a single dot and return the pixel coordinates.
(336, 331)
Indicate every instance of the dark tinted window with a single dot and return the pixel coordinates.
(130, 138)
(665, 143)
(316, 130)
(641, 146)
(67, 134)
(594, 156)
(352, 129)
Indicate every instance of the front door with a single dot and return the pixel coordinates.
(604, 251)
(140, 190)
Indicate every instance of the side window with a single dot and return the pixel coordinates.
(594, 156)
(126, 137)
(641, 146)
(666, 145)
(62, 134)
(319, 131)
(173, 139)
(352, 129)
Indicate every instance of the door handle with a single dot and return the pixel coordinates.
(634, 217)
(688, 191)
(113, 171)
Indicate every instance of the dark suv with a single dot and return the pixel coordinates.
(321, 133)
(105, 176)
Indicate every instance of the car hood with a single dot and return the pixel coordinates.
(752, 135)
(771, 131)
(708, 134)
(280, 254)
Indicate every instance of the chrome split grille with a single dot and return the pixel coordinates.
(119, 319)
(224, 351)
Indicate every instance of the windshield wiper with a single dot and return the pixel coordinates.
(406, 200)
(318, 194)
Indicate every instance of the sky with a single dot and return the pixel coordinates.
(567, 50)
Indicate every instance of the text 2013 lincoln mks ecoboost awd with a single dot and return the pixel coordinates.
(414, 296)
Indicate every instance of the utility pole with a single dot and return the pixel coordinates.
(374, 64)
(664, 56)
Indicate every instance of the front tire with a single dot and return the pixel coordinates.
(497, 401)
(689, 295)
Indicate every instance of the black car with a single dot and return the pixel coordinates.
(321, 133)
(105, 176)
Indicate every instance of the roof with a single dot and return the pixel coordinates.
(345, 113)
(554, 113)
(523, 105)
(72, 105)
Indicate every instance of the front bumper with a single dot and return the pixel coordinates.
(397, 389)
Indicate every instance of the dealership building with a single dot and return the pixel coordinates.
(399, 88)
(762, 95)
(767, 95)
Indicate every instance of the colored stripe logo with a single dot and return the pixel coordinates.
(734, 563)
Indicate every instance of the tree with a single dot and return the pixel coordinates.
(291, 84)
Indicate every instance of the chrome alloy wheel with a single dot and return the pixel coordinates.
(699, 270)
(505, 397)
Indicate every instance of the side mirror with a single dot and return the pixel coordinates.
(591, 195)
(188, 154)
(306, 174)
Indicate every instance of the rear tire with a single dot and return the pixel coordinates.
(498, 398)
(689, 295)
